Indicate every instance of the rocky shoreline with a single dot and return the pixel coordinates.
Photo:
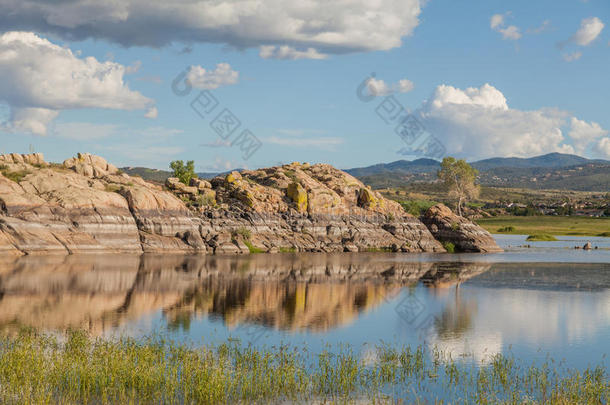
(86, 205)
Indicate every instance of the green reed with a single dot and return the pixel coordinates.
(75, 368)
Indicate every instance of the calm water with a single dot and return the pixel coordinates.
(546, 299)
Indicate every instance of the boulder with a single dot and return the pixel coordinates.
(465, 235)
(298, 195)
(89, 165)
(200, 184)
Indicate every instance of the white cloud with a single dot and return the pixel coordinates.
(478, 123)
(152, 113)
(288, 52)
(378, 87)
(84, 131)
(497, 23)
(201, 78)
(589, 30)
(584, 133)
(603, 147)
(546, 24)
(39, 79)
(133, 68)
(319, 142)
(218, 143)
(571, 57)
(326, 26)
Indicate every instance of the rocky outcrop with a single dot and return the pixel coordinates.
(87, 205)
(465, 235)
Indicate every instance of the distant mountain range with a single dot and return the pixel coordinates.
(551, 160)
(550, 171)
(160, 176)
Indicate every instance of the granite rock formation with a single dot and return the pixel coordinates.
(465, 235)
(86, 205)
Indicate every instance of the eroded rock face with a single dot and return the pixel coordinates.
(465, 235)
(85, 206)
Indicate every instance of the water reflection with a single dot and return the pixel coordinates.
(473, 308)
(313, 292)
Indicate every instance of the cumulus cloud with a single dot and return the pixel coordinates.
(498, 24)
(603, 147)
(288, 52)
(326, 26)
(583, 133)
(378, 87)
(201, 78)
(40, 79)
(478, 123)
(589, 30)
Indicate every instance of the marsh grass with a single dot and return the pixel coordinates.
(541, 237)
(78, 369)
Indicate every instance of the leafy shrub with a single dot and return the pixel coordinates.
(449, 247)
(417, 207)
(183, 172)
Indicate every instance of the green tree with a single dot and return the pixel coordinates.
(459, 180)
(183, 172)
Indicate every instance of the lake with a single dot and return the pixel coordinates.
(545, 299)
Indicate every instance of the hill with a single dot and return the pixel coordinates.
(550, 171)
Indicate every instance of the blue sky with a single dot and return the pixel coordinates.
(538, 73)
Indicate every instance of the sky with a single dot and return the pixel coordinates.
(255, 83)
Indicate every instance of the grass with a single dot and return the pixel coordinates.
(113, 188)
(252, 248)
(541, 237)
(78, 369)
(553, 225)
(288, 250)
(385, 249)
(15, 176)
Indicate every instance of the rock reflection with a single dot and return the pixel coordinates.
(314, 292)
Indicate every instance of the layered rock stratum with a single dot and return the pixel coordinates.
(87, 205)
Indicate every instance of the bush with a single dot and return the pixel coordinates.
(417, 207)
(449, 247)
(183, 172)
(541, 237)
(506, 229)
